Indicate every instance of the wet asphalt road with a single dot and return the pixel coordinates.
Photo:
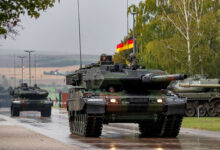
(112, 138)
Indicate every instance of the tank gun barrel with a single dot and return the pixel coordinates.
(200, 85)
(162, 78)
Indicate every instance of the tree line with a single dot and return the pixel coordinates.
(178, 36)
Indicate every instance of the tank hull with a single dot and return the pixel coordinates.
(126, 109)
(117, 113)
(43, 105)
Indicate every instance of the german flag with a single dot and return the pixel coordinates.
(125, 46)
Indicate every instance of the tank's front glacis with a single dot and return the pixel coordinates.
(136, 108)
(174, 104)
(158, 103)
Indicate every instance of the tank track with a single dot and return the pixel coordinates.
(166, 126)
(151, 128)
(171, 126)
(88, 125)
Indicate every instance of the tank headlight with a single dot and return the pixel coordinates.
(113, 100)
(95, 100)
(159, 100)
(17, 102)
(47, 102)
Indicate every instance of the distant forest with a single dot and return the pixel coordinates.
(48, 60)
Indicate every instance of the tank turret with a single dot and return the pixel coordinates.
(107, 74)
(24, 91)
(105, 92)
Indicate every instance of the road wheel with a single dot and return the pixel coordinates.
(46, 112)
(15, 112)
(211, 110)
(202, 110)
(217, 108)
(190, 111)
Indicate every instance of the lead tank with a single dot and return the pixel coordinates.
(203, 95)
(27, 98)
(105, 93)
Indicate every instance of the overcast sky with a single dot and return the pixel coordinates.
(103, 26)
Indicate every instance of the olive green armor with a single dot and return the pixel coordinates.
(203, 95)
(26, 98)
(105, 93)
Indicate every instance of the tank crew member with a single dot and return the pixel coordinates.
(134, 62)
(24, 85)
(103, 57)
(111, 89)
(105, 60)
(36, 87)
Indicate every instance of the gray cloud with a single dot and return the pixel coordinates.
(103, 25)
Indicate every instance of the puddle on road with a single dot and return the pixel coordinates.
(113, 138)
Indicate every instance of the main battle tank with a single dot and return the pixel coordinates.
(105, 93)
(26, 98)
(203, 95)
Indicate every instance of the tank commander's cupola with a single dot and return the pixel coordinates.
(106, 60)
(25, 85)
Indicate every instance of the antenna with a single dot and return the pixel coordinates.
(134, 13)
(22, 64)
(80, 51)
(134, 47)
(9, 73)
(14, 73)
(29, 52)
(127, 20)
(35, 71)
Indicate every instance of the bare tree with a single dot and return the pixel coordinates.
(187, 13)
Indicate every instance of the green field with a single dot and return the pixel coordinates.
(204, 123)
(47, 60)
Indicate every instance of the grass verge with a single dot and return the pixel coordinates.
(204, 123)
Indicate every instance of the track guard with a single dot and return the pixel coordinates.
(176, 109)
(95, 107)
